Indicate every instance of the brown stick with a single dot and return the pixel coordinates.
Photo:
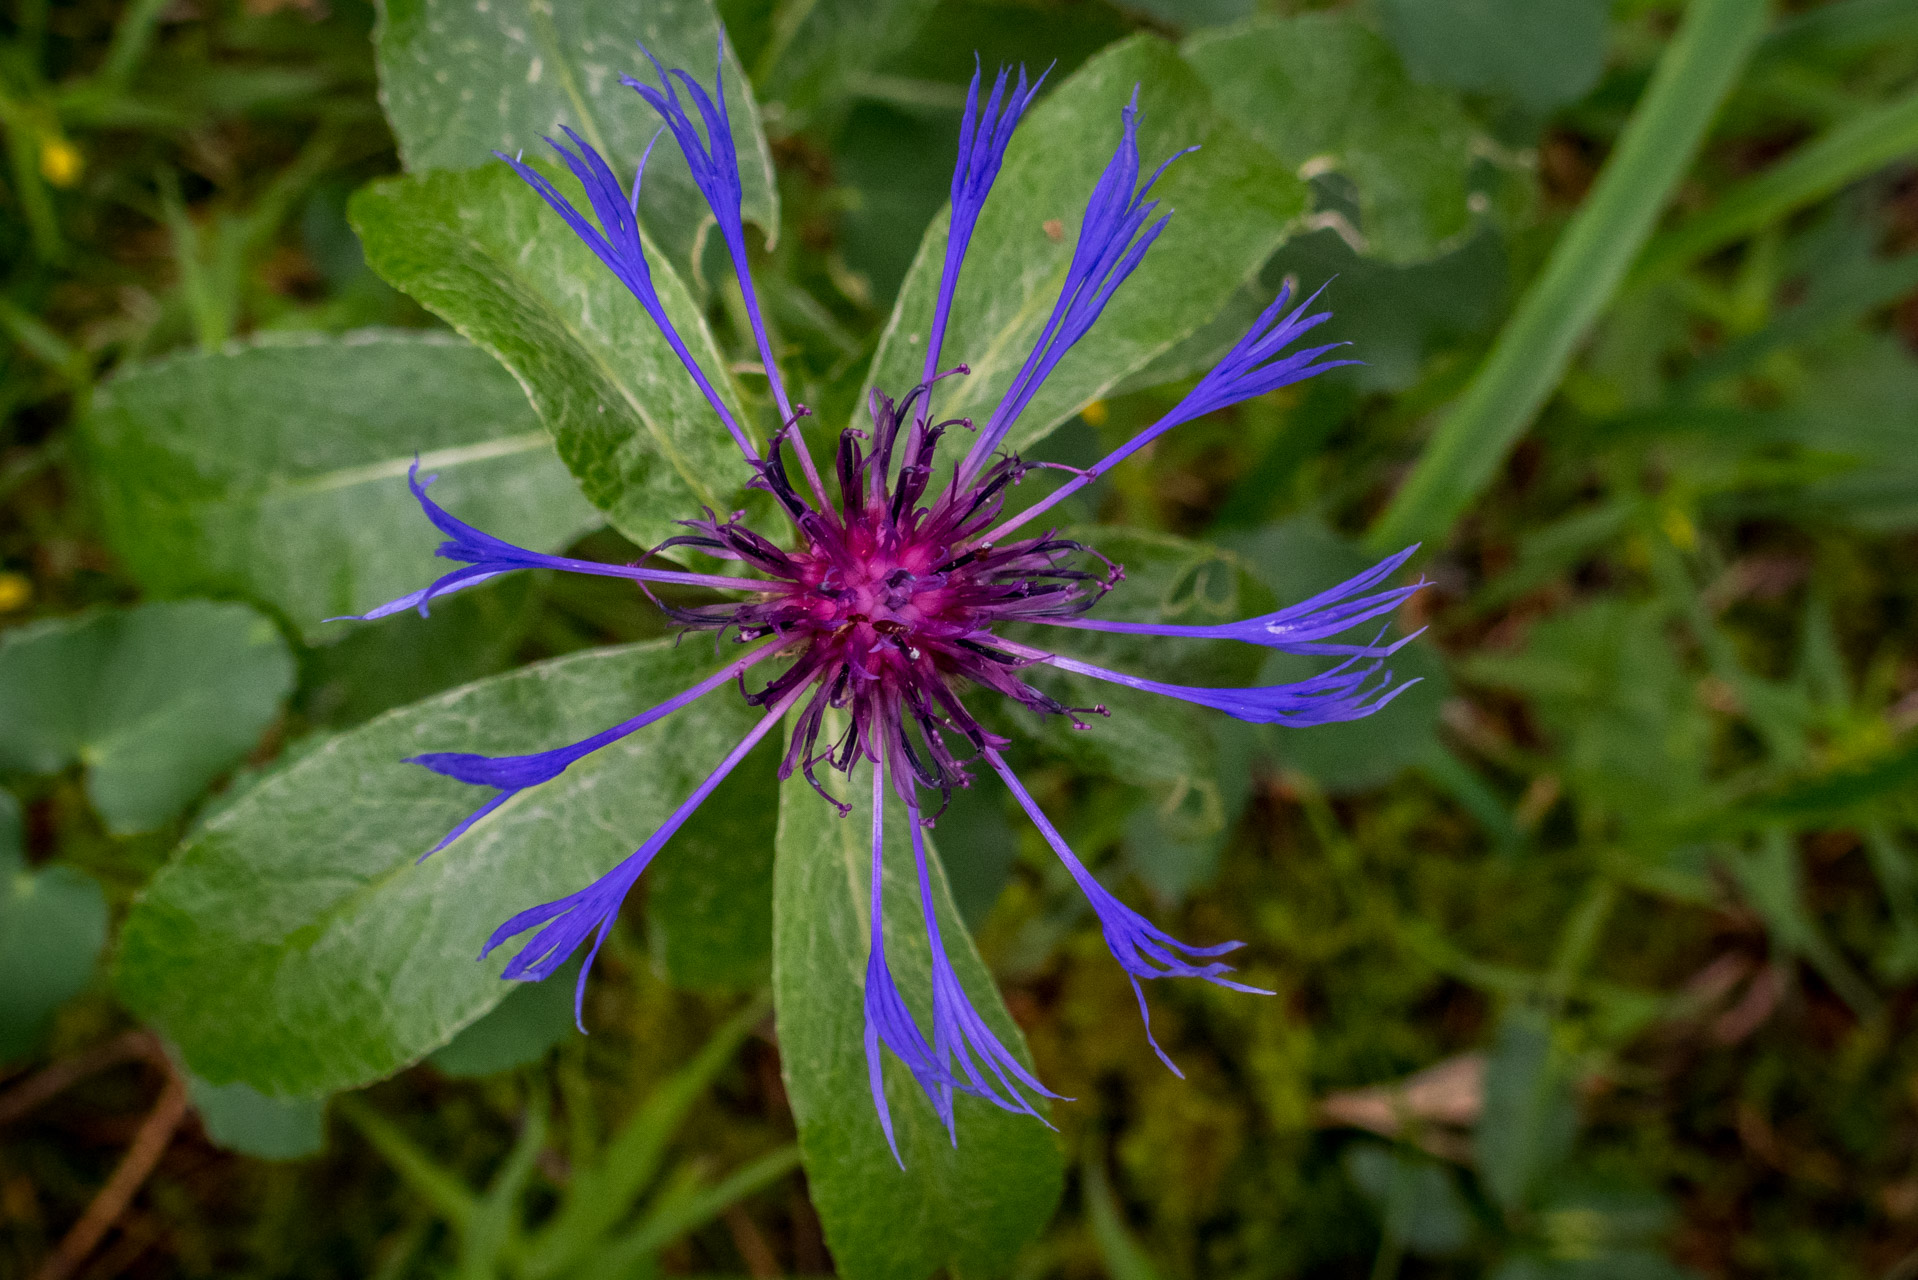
(752, 1245)
(50, 1080)
(148, 1145)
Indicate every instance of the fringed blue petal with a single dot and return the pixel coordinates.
(1253, 367)
(888, 1021)
(714, 162)
(616, 241)
(959, 1032)
(1348, 691)
(516, 773)
(1299, 628)
(488, 557)
(565, 923)
(1112, 240)
(983, 138)
(1142, 949)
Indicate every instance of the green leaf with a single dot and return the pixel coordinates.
(820, 49)
(304, 902)
(1329, 96)
(1233, 205)
(460, 81)
(1530, 1119)
(1539, 53)
(1831, 796)
(1586, 265)
(484, 251)
(1187, 15)
(380, 665)
(245, 1120)
(709, 908)
(277, 470)
(156, 701)
(967, 1207)
(518, 1030)
(1417, 1197)
(1396, 317)
(53, 923)
(1123, 1258)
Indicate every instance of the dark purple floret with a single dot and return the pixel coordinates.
(882, 611)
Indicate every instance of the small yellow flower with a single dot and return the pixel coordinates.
(1095, 413)
(1679, 528)
(15, 590)
(60, 161)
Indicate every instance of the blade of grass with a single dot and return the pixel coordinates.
(1586, 265)
(1845, 152)
(675, 1215)
(449, 1197)
(494, 1223)
(1839, 27)
(131, 36)
(1773, 884)
(602, 1194)
(1123, 1258)
(25, 134)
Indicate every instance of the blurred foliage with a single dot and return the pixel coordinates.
(1597, 955)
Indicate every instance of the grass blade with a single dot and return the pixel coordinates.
(1584, 270)
(1847, 151)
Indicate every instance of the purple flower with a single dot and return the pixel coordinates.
(887, 605)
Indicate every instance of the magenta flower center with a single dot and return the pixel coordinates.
(878, 592)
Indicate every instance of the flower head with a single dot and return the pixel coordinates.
(879, 609)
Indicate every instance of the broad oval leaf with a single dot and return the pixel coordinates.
(277, 470)
(966, 1207)
(709, 908)
(1326, 94)
(484, 251)
(1233, 204)
(245, 1120)
(518, 1030)
(1540, 53)
(156, 701)
(53, 923)
(460, 81)
(297, 944)
(818, 52)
